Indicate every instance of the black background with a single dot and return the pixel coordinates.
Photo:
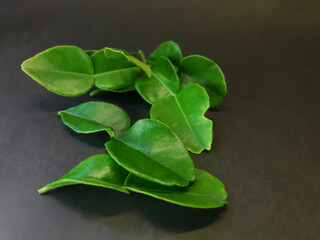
(266, 133)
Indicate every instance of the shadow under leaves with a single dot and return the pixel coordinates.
(93, 200)
(96, 140)
(106, 203)
(172, 217)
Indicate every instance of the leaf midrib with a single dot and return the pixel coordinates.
(84, 74)
(88, 119)
(113, 71)
(99, 183)
(186, 119)
(158, 78)
(183, 114)
(149, 157)
(164, 191)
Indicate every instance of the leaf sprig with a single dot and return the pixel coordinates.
(151, 157)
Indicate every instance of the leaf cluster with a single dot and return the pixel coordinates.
(150, 157)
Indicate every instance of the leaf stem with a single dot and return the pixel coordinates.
(134, 53)
(95, 92)
(139, 53)
(45, 189)
(142, 56)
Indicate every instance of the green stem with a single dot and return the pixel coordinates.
(134, 53)
(95, 92)
(45, 189)
(142, 56)
(139, 53)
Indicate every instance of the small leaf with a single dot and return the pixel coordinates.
(113, 71)
(167, 49)
(199, 69)
(64, 70)
(150, 150)
(99, 170)
(163, 82)
(93, 117)
(205, 192)
(184, 114)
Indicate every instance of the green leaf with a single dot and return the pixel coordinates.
(184, 114)
(113, 71)
(199, 69)
(64, 70)
(205, 192)
(163, 82)
(99, 170)
(150, 150)
(93, 117)
(71, 71)
(167, 49)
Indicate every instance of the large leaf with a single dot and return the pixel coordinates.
(113, 71)
(205, 192)
(184, 114)
(163, 82)
(92, 117)
(199, 69)
(167, 49)
(150, 149)
(64, 70)
(71, 71)
(98, 170)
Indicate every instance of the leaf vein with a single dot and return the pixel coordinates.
(149, 157)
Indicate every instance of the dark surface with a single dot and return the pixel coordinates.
(266, 132)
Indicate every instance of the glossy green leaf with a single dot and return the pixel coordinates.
(99, 170)
(205, 192)
(113, 71)
(92, 117)
(64, 70)
(163, 82)
(184, 114)
(150, 150)
(167, 49)
(199, 69)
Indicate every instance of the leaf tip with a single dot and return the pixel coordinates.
(23, 66)
(43, 190)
